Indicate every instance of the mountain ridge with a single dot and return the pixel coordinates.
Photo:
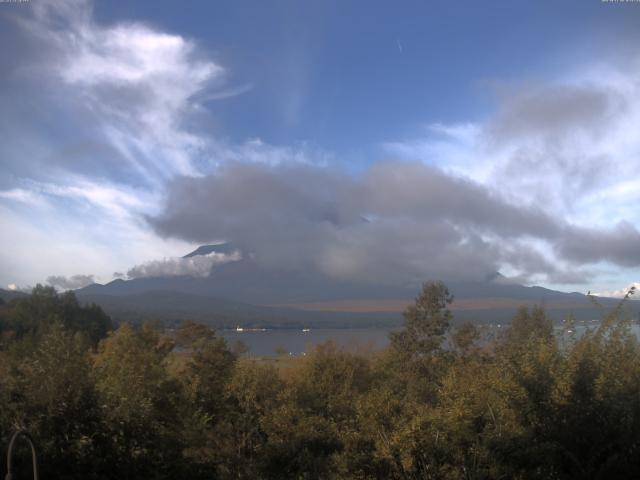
(250, 291)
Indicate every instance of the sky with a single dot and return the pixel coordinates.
(385, 142)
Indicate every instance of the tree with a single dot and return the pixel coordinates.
(203, 371)
(252, 395)
(464, 338)
(46, 388)
(425, 322)
(34, 315)
(139, 403)
(313, 433)
(416, 360)
(208, 368)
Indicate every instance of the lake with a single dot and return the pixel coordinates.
(265, 342)
(297, 341)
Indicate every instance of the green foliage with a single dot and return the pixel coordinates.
(426, 322)
(437, 404)
(252, 395)
(138, 403)
(416, 361)
(465, 337)
(46, 388)
(208, 369)
(34, 314)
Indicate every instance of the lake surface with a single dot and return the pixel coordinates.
(265, 342)
(296, 341)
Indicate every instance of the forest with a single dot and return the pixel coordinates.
(136, 402)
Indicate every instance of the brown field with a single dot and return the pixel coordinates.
(398, 305)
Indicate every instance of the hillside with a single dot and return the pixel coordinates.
(8, 295)
(244, 292)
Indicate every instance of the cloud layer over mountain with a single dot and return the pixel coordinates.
(116, 159)
(398, 221)
(70, 283)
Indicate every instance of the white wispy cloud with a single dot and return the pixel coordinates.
(620, 293)
(131, 93)
(140, 84)
(22, 195)
(255, 150)
(196, 266)
(70, 283)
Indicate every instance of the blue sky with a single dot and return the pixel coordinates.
(110, 107)
(348, 75)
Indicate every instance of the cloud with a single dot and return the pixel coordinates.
(138, 87)
(621, 292)
(113, 111)
(554, 112)
(254, 150)
(135, 101)
(539, 189)
(556, 143)
(619, 245)
(21, 195)
(70, 283)
(197, 266)
(395, 222)
(565, 142)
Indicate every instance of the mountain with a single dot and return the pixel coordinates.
(243, 291)
(224, 248)
(247, 281)
(8, 295)
(173, 307)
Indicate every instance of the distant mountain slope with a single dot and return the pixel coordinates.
(245, 291)
(459, 305)
(8, 295)
(225, 248)
(248, 282)
(174, 307)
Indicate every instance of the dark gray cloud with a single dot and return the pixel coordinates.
(553, 112)
(396, 222)
(619, 245)
(423, 192)
(70, 283)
